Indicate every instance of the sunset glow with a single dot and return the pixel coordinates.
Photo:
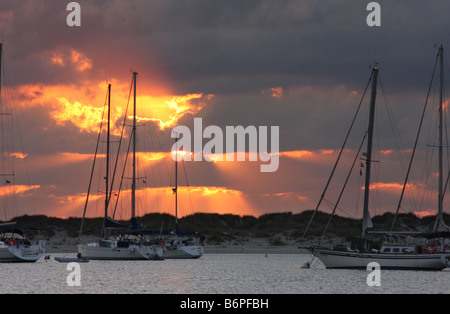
(191, 200)
(19, 189)
(425, 213)
(167, 110)
(307, 155)
(392, 186)
(84, 106)
(19, 155)
(87, 118)
(227, 65)
(149, 157)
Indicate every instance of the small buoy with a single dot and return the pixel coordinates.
(305, 266)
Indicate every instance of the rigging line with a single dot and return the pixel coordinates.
(123, 176)
(120, 144)
(154, 133)
(92, 171)
(445, 124)
(420, 196)
(157, 147)
(153, 130)
(446, 183)
(330, 204)
(153, 173)
(187, 183)
(344, 186)
(25, 160)
(444, 94)
(397, 135)
(8, 139)
(431, 138)
(189, 193)
(160, 149)
(415, 144)
(338, 158)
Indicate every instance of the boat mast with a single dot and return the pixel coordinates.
(367, 222)
(175, 189)
(6, 174)
(107, 153)
(441, 80)
(133, 184)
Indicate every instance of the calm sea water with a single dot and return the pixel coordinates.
(213, 274)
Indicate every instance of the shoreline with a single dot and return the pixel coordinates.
(209, 249)
(252, 246)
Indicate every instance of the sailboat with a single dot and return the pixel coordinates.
(17, 243)
(393, 255)
(180, 244)
(16, 246)
(135, 243)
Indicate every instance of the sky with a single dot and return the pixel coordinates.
(300, 65)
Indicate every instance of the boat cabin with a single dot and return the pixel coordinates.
(398, 249)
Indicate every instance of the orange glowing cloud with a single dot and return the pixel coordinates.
(70, 57)
(445, 104)
(386, 152)
(213, 199)
(72, 205)
(287, 195)
(67, 103)
(181, 155)
(392, 187)
(151, 156)
(17, 189)
(425, 213)
(233, 156)
(48, 161)
(386, 186)
(274, 92)
(19, 155)
(167, 110)
(67, 157)
(306, 154)
(298, 154)
(83, 105)
(85, 117)
(277, 92)
(209, 191)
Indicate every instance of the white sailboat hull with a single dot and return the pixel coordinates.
(356, 260)
(95, 252)
(184, 252)
(21, 253)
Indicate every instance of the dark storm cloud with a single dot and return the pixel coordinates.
(233, 46)
(218, 46)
